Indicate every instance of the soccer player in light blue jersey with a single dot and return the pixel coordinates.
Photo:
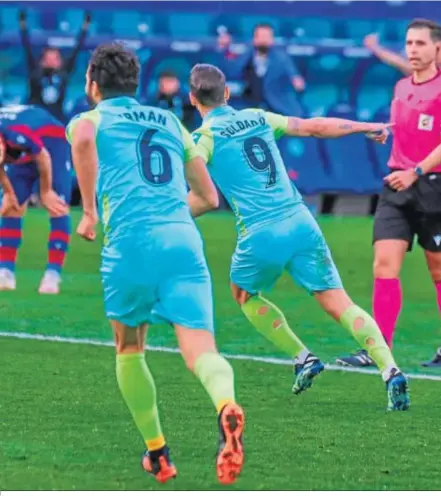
(137, 159)
(276, 231)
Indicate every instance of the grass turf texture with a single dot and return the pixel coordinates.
(63, 424)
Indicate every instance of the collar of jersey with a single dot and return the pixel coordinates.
(222, 110)
(118, 101)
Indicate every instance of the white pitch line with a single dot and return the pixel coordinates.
(164, 349)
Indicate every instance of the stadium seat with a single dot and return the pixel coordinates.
(14, 90)
(125, 23)
(319, 98)
(104, 22)
(313, 28)
(9, 19)
(304, 161)
(370, 99)
(70, 20)
(348, 158)
(189, 25)
(357, 29)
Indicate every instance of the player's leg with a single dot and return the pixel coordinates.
(60, 227)
(393, 236)
(270, 321)
(200, 354)
(314, 269)
(256, 265)
(11, 223)
(429, 238)
(185, 299)
(128, 300)
(138, 389)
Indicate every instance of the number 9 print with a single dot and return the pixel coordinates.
(260, 159)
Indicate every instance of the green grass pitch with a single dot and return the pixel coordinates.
(63, 424)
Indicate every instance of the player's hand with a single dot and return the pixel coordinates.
(401, 180)
(9, 204)
(379, 132)
(299, 83)
(55, 205)
(224, 41)
(87, 225)
(371, 41)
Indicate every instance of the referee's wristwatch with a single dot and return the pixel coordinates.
(419, 171)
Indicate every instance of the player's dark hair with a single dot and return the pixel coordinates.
(432, 26)
(264, 25)
(168, 73)
(207, 84)
(115, 69)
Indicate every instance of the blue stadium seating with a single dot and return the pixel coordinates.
(348, 158)
(305, 164)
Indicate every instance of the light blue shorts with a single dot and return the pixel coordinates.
(158, 276)
(295, 244)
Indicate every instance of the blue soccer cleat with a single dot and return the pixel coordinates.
(305, 373)
(397, 392)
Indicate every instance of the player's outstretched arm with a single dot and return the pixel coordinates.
(332, 127)
(202, 196)
(387, 56)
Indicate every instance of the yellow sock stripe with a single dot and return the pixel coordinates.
(156, 443)
(223, 403)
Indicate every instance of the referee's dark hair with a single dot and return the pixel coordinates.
(207, 85)
(432, 26)
(115, 69)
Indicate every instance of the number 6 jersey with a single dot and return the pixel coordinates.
(141, 154)
(245, 163)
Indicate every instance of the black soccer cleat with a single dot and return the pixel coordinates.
(436, 360)
(358, 359)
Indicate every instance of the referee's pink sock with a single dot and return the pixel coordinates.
(387, 305)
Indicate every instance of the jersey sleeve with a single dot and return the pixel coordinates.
(204, 144)
(189, 146)
(278, 123)
(92, 116)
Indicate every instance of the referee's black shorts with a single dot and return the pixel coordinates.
(416, 212)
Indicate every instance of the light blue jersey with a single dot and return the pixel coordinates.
(153, 265)
(245, 163)
(276, 231)
(141, 153)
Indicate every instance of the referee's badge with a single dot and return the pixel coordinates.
(425, 122)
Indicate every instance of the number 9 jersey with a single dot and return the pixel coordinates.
(141, 178)
(244, 161)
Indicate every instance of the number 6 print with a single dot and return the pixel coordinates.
(156, 161)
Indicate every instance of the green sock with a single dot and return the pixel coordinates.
(366, 331)
(271, 323)
(217, 377)
(139, 392)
